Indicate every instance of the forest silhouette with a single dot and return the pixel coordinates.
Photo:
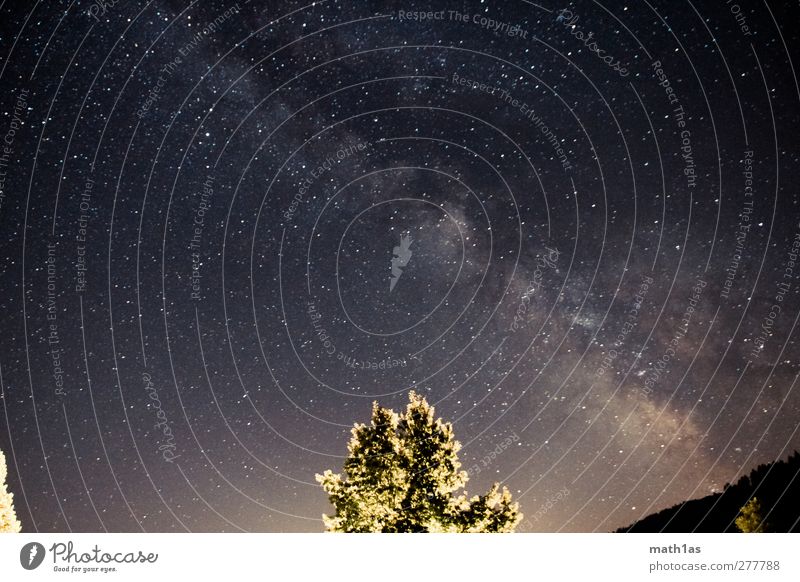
(776, 486)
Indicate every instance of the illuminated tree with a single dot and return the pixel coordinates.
(401, 475)
(8, 518)
(750, 520)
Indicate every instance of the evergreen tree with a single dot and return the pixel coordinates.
(8, 518)
(750, 520)
(401, 475)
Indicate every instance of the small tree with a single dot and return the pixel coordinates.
(750, 520)
(8, 518)
(401, 475)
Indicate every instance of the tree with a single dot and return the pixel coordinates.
(401, 474)
(8, 518)
(750, 520)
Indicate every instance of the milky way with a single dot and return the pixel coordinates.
(228, 228)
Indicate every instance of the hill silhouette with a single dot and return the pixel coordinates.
(776, 485)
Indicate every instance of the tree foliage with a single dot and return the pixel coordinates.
(750, 520)
(402, 474)
(8, 518)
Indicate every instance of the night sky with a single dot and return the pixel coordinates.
(227, 228)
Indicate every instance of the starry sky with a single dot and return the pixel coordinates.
(228, 228)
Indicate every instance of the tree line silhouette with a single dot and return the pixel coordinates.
(763, 501)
